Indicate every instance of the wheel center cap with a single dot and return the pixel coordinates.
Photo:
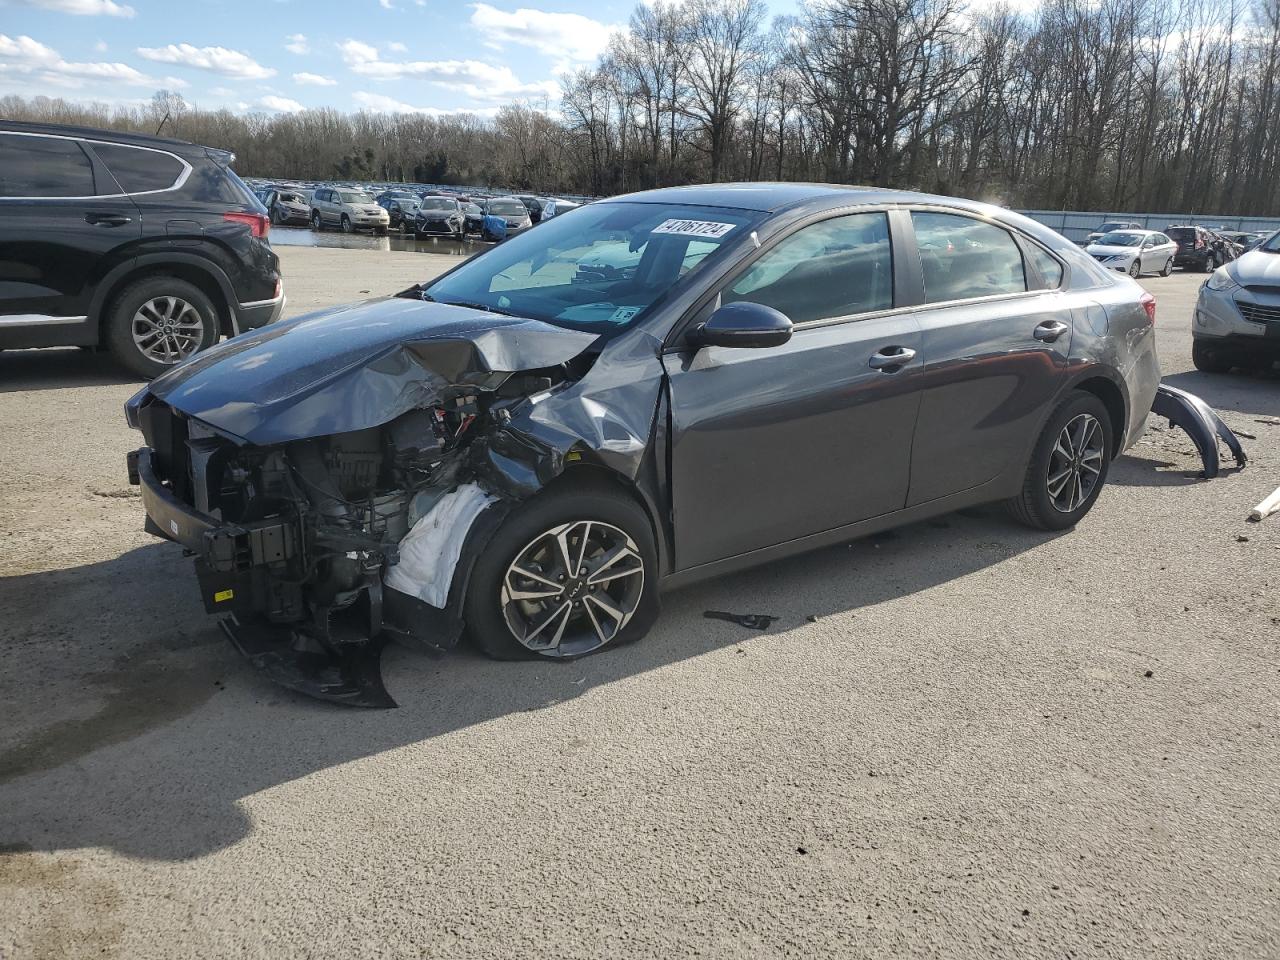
(574, 588)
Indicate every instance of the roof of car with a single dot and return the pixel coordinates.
(94, 133)
(769, 197)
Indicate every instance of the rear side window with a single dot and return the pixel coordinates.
(963, 258)
(1050, 270)
(44, 167)
(140, 171)
(837, 268)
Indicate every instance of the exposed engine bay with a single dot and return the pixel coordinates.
(297, 544)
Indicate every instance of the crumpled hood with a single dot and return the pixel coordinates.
(1257, 267)
(357, 366)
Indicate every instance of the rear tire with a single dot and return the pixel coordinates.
(1068, 467)
(492, 618)
(1208, 359)
(123, 323)
(1210, 264)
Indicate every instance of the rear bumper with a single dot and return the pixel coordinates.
(259, 313)
(1197, 259)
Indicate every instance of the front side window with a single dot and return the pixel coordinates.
(44, 167)
(140, 171)
(964, 258)
(836, 268)
(598, 270)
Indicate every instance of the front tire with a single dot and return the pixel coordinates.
(567, 574)
(158, 322)
(1068, 466)
(1135, 268)
(346, 224)
(1168, 268)
(1208, 359)
(316, 222)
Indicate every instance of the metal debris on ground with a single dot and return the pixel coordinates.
(752, 621)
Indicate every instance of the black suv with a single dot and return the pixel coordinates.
(1198, 248)
(150, 247)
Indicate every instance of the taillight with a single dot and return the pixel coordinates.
(1199, 243)
(259, 224)
(1149, 304)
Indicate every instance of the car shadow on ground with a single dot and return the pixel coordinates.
(58, 368)
(185, 730)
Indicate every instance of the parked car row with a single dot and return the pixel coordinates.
(1127, 247)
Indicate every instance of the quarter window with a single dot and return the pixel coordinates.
(964, 258)
(1050, 270)
(139, 171)
(836, 268)
(44, 167)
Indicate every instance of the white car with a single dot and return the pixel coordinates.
(1134, 252)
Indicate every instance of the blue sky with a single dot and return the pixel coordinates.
(433, 56)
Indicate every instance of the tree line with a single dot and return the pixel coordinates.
(1077, 104)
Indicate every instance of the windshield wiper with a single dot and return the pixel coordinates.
(474, 305)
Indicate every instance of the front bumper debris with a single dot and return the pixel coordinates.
(1200, 423)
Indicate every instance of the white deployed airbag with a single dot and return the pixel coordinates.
(429, 552)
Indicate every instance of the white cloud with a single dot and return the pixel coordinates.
(564, 36)
(380, 103)
(386, 4)
(83, 8)
(480, 81)
(229, 63)
(313, 80)
(100, 46)
(395, 46)
(280, 104)
(175, 83)
(23, 55)
(297, 43)
(223, 92)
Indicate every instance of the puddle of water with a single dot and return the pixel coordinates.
(395, 240)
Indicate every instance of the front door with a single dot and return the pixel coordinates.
(773, 444)
(996, 346)
(65, 224)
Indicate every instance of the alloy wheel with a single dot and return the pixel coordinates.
(1075, 464)
(573, 588)
(167, 330)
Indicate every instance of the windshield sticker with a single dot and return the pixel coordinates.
(623, 314)
(694, 228)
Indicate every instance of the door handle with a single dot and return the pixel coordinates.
(106, 219)
(1050, 330)
(891, 359)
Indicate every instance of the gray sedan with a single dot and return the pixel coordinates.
(530, 447)
(1237, 321)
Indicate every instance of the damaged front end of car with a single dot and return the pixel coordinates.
(335, 476)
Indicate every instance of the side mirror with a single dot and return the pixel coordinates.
(743, 324)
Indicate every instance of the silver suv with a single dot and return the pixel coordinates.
(347, 209)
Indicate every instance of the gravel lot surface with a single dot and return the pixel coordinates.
(987, 742)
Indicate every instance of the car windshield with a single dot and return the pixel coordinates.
(471, 208)
(597, 271)
(291, 197)
(437, 203)
(1114, 225)
(507, 208)
(1120, 238)
(1271, 246)
(354, 196)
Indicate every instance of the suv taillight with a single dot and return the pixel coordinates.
(258, 224)
(1199, 243)
(1149, 304)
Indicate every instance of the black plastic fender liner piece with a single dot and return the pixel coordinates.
(1200, 423)
(353, 678)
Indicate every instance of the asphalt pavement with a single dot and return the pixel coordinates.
(962, 738)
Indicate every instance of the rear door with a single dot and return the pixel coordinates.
(774, 444)
(64, 223)
(997, 334)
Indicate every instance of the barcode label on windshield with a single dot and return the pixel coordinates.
(695, 228)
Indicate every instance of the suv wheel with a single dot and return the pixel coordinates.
(568, 573)
(156, 323)
(1207, 359)
(1210, 264)
(316, 222)
(346, 224)
(1068, 466)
